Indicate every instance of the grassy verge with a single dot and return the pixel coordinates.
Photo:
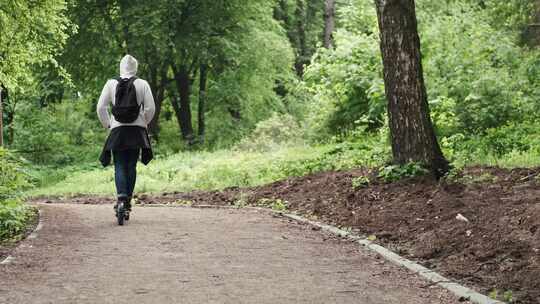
(220, 169)
(188, 171)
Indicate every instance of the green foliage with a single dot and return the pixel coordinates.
(510, 15)
(507, 296)
(476, 75)
(13, 180)
(303, 22)
(58, 135)
(342, 156)
(346, 82)
(14, 217)
(482, 87)
(515, 144)
(33, 32)
(360, 182)
(273, 133)
(392, 173)
(274, 204)
(245, 49)
(188, 171)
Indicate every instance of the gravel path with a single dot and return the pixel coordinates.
(183, 255)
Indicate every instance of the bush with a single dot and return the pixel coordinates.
(14, 217)
(12, 178)
(58, 134)
(518, 143)
(276, 132)
(13, 214)
(342, 156)
(394, 173)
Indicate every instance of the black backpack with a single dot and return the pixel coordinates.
(126, 109)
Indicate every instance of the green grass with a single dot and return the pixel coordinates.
(514, 159)
(186, 171)
(511, 160)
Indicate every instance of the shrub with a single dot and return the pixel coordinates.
(13, 214)
(276, 132)
(360, 182)
(13, 218)
(12, 178)
(394, 173)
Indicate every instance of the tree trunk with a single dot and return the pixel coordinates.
(2, 88)
(158, 90)
(531, 33)
(183, 84)
(153, 127)
(302, 56)
(412, 134)
(176, 107)
(329, 22)
(202, 100)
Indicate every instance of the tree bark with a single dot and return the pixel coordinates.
(302, 56)
(183, 84)
(176, 107)
(329, 23)
(203, 76)
(157, 83)
(412, 134)
(2, 88)
(531, 33)
(153, 127)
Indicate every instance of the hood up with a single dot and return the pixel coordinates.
(128, 66)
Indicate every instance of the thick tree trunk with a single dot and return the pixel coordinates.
(329, 22)
(412, 134)
(203, 73)
(183, 84)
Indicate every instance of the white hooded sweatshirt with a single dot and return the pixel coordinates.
(128, 69)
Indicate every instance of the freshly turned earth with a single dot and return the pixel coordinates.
(187, 255)
(498, 248)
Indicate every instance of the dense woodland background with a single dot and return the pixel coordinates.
(249, 92)
(220, 68)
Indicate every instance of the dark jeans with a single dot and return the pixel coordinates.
(125, 171)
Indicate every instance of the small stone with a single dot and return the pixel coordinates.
(460, 217)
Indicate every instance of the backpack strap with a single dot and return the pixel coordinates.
(118, 78)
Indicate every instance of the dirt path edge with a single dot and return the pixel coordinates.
(459, 290)
(464, 293)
